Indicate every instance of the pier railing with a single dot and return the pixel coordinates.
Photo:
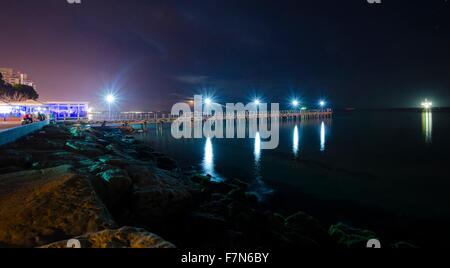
(167, 117)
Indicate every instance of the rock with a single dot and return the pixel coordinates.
(402, 244)
(144, 151)
(113, 185)
(99, 167)
(38, 207)
(275, 221)
(240, 184)
(125, 237)
(158, 194)
(10, 157)
(10, 169)
(114, 161)
(58, 158)
(59, 133)
(90, 149)
(217, 207)
(207, 221)
(350, 237)
(304, 225)
(217, 196)
(166, 163)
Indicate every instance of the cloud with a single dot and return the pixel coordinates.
(193, 79)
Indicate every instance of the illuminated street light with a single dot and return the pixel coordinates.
(208, 101)
(322, 103)
(110, 99)
(427, 104)
(257, 101)
(295, 103)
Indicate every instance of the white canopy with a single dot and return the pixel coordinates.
(26, 103)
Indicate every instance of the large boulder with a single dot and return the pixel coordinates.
(112, 184)
(157, 194)
(301, 225)
(58, 158)
(351, 237)
(87, 148)
(165, 162)
(38, 207)
(125, 237)
(15, 158)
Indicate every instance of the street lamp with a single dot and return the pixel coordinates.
(110, 99)
(322, 103)
(427, 104)
(295, 103)
(208, 101)
(257, 101)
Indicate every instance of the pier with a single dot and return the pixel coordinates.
(162, 117)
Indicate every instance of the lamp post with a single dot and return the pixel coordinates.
(322, 104)
(110, 100)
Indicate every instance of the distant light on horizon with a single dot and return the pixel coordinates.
(427, 104)
(322, 103)
(295, 103)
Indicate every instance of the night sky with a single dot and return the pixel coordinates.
(155, 53)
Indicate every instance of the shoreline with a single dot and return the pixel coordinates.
(73, 181)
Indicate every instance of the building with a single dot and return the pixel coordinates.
(55, 110)
(14, 77)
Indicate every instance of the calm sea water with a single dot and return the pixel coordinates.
(385, 171)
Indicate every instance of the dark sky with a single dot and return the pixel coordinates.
(155, 53)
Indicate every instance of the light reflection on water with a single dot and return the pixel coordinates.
(322, 137)
(258, 186)
(295, 142)
(208, 161)
(427, 126)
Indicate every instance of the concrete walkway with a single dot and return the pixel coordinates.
(10, 124)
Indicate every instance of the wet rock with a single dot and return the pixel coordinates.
(114, 161)
(158, 194)
(207, 221)
(350, 237)
(304, 225)
(56, 133)
(165, 162)
(144, 151)
(239, 184)
(218, 207)
(402, 244)
(83, 147)
(11, 157)
(275, 221)
(125, 237)
(58, 158)
(38, 207)
(112, 185)
(10, 169)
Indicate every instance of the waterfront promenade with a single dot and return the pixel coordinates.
(8, 124)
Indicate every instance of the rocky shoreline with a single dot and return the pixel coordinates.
(75, 181)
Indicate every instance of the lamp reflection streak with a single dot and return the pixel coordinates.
(208, 161)
(259, 187)
(427, 125)
(295, 142)
(322, 137)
